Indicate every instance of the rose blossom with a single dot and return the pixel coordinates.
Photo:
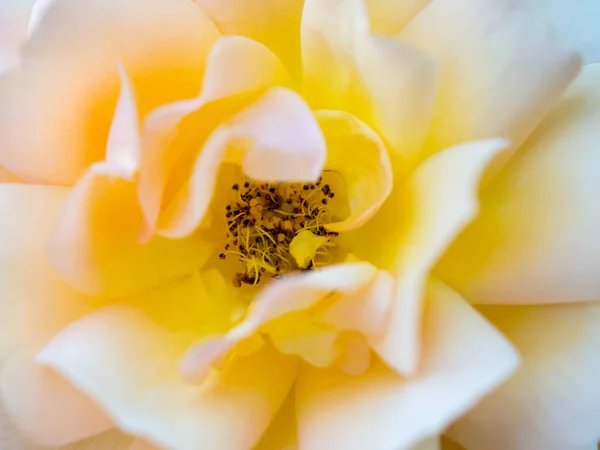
(321, 224)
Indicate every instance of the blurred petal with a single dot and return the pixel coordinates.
(66, 86)
(294, 292)
(390, 16)
(7, 176)
(275, 23)
(281, 434)
(34, 306)
(348, 69)
(359, 156)
(14, 17)
(106, 354)
(537, 239)
(238, 69)
(464, 359)
(416, 225)
(276, 138)
(432, 443)
(501, 69)
(140, 444)
(553, 401)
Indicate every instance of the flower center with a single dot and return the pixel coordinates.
(274, 228)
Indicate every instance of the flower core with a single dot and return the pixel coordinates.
(274, 228)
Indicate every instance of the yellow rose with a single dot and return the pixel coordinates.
(230, 224)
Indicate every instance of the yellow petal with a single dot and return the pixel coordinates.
(390, 16)
(412, 231)
(275, 23)
(380, 409)
(276, 138)
(128, 364)
(359, 156)
(552, 401)
(537, 238)
(238, 70)
(67, 93)
(304, 246)
(281, 434)
(501, 69)
(6, 176)
(346, 68)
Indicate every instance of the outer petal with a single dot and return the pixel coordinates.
(281, 434)
(14, 18)
(66, 86)
(34, 306)
(434, 204)
(359, 156)
(537, 239)
(500, 69)
(346, 68)
(463, 359)
(276, 138)
(275, 23)
(129, 365)
(390, 16)
(553, 401)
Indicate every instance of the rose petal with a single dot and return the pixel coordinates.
(537, 239)
(35, 304)
(359, 156)
(433, 206)
(390, 16)
(281, 434)
(274, 23)
(500, 70)
(66, 86)
(140, 444)
(237, 70)
(464, 358)
(14, 17)
(276, 138)
(294, 292)
(553, 401)
(129, 365)
(346, 68)
(7, 176)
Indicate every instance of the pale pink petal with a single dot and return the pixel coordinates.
(464, 358)
(357, 154)
(237, 70)
(501, 69)
(347, 68)
(553, 401)
(95, 246)
(14, 17)
(58, 104)
(275, 23)
(390, 16)
(129, 365)
(294, 292)
(432, 206)
(7, 176)
(281, 434)
(276, 138)
(537, 239)
(140, 444)
(35, 304)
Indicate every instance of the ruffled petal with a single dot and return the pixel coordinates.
(553, 401)
(238, 70)
(501, 69)
(14, 19)
(274, 23)
(537, 239)
(128, 364)
(292, 293)
(276, 138)
(358, 155)
(346, 68)
(35, 304)
(464, 358)
(416, 225)
(66, 85)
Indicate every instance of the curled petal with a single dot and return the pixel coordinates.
(14, 17)
(500, 70)
(128, 364)
(537, 239)
(276, 138)
(383, 410)
(552, 401)
(66, 85)
(359, 156)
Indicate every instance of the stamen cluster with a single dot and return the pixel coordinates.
(263, 220)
